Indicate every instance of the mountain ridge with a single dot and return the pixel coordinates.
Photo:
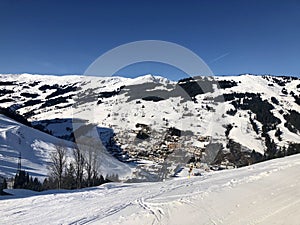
(223, 120)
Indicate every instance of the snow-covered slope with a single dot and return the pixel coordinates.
(228, 121)
(265, 193)
(34, 146)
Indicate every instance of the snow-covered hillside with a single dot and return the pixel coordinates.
(34, 146)
(35, 149)
(264, 193)
(226, 121)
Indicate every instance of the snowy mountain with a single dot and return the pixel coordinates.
(159, 124)
(264, 193)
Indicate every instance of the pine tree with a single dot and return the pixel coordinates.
(4, 185)
(21, 179)
(46, 185)
(69, 178)
(37, 186)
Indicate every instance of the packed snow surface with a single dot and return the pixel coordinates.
(264, 193)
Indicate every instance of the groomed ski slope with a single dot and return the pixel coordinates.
(265, 193)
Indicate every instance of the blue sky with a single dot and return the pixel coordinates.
(232, 37)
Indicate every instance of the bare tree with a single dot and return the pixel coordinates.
(89, 162)
(58, 163)
(88, 168)
(90, 148)
(79, 166)
(95, 169)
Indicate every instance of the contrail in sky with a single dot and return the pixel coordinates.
(220, 57)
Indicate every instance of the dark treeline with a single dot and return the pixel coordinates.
(23, 180)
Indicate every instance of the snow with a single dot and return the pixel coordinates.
(265, 193)
(241, 133)
(199, 120)
(35, 148)
(121, 113)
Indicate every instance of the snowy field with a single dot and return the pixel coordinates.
(265, 193)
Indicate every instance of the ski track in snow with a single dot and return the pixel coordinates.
(265, 193)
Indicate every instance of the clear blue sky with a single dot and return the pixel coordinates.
(232, 37)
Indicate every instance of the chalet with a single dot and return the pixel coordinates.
(204, 138)
(143, 126)
(173, 145)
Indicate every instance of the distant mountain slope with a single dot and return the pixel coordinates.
(35, 148)
(224, 121)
